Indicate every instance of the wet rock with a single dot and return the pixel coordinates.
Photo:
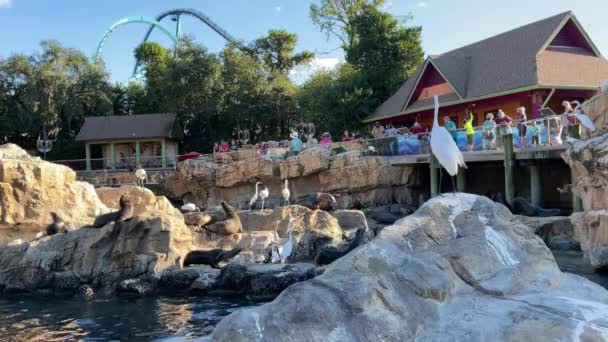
(457, 264)
(181, 279)
(233, 278)
(351, 221)
(269, 281)
(66, 281)
(556, 232)
(137, 287)
(97, 256)
(204, 283)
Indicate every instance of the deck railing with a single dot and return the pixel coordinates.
(552, 132)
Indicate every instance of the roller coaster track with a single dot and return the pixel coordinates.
(192, 12)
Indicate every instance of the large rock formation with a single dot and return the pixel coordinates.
(459, 269)
(589, 162)
(100, 257)
(355, 179)
(31, 188)
(597, 110)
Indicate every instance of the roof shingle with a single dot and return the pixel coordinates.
(127, 127)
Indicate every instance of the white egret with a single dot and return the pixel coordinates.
(444, 147)
(141, 176)
(287, 248)
(255, 196)
(584, 119)
(264, 195)
(285, 192)
(274, 255)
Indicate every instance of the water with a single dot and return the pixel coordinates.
(111, 319)
(151, 318)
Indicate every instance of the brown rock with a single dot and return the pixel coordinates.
(306, 163)
(247, 171)
(597, 110)
(197, 219)
(31, 188)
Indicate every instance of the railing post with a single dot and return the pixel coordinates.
(535, 186)
(548, 131)
(163, 148)
(461, 180)
(112, 156)
(137, 154)
(87, 149)
(434, 173)
(507, 144)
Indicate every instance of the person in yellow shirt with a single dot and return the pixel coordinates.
(468, 126)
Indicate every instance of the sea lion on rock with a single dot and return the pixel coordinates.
(211, 258)
(231, 225)
(123, 214)
(522, 207)
(320, 201)
(332, 254)
(57, 226)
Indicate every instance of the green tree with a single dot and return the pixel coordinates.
(276, 51)
(384, 49)
(334, 17)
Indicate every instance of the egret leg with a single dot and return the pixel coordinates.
(263, 204)
(440, 178)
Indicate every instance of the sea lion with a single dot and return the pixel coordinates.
(522, 207)
(231, 225)
(123, 214)
(211, 258)
(57, 226)
(332, 254)
(319, 201)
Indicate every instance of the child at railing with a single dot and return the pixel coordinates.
(503, 124)
(326, 140)
(521, 126)
(468, 126)
(489, 132)
(451, 127)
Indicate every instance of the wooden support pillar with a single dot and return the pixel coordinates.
(577, 203)
(87, 151)
(535, 186)
(112, 156)
(507, 143)
(163, 147)
(137, 154)
(461, 180)
(434, 176)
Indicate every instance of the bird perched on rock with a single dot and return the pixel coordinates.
(444, 147)
(264, 194)
(141, 176)
(285, 192)
(287, 248)
(255, 196)
(189, 208)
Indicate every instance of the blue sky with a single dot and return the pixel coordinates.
(447, 24)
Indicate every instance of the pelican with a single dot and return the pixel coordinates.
(264, 195)
(285, 192)
(444, 148)
(255, 196)
(584, 119)
(141, 177)
(287, 248)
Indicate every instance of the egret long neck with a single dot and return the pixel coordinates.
(436, 100)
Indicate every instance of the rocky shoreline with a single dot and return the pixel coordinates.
(433, 273)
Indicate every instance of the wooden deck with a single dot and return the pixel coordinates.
(552, 152)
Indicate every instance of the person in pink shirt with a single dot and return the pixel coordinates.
(326, 140)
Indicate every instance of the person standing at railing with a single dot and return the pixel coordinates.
(296, 144)
(326, 140)
(468, 126)
(503, 123)
(233, 145)
(574, 130)
(378, 130)
(521, 126)
(489, 132)
(421, 131)
(346, 136)
(535, 133)
(390, 131)
(451, 127)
